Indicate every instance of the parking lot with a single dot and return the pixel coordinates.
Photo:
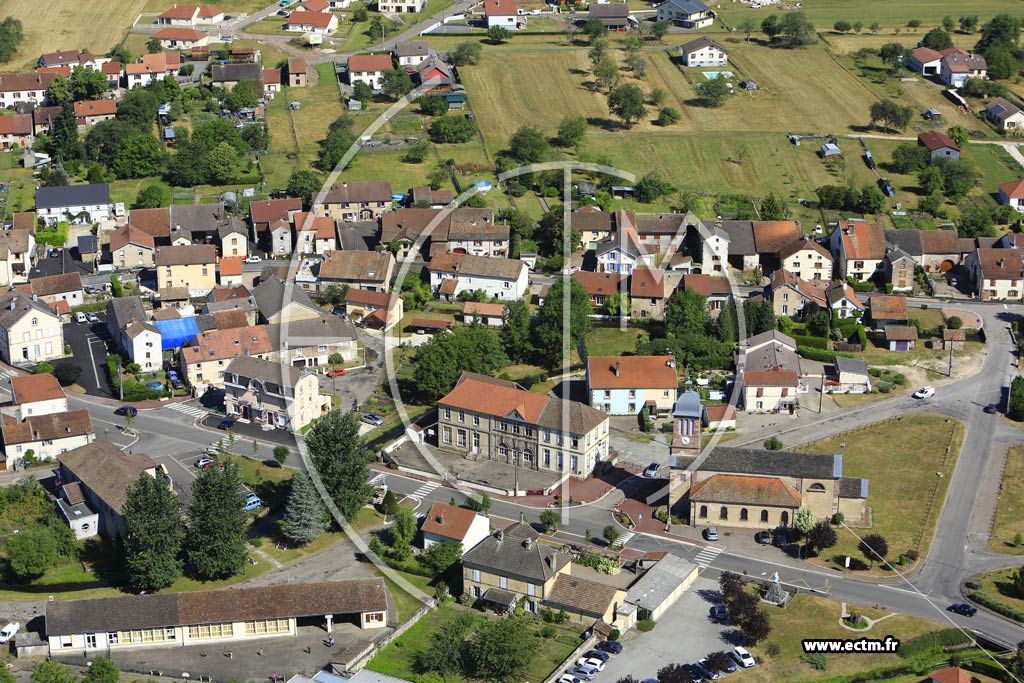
(88, 342)
(683, 635)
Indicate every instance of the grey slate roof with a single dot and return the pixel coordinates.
(516, 552)
(907, 240)
(851, 365)
(689, 6)
(852, 487)
(741, 237)
(72, 195)
(327, 329)
(87, 244)
(270, 296)
(660, 581)
(121, 311)
(773, 463)
(688, 405)
(15, 305)
(269, 371)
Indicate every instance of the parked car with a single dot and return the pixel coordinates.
(991, 409)
(706, 671)
(596, 654)
(336, 372)
(695, 673)
(711, 533)
(652, 469)
(718, 613)
(763, 537)
(612, 647)
(963, 608)
(80, 317)
(924, 392)
(204, 462)
(226, 423)
(155, 385)
(591, 661)
(254, 259)
(586, 673)
(9, 631)
(743, 657)
(92, 317)
(974, 585)
(371, 419)
(130, 411)
(252, 502)
(568, 678)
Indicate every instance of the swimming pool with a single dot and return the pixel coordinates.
(712, 75)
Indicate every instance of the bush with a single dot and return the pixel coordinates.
(43, 368)
(933, 643)
(912, 555)
(997, 605)
(883, 387)
(838, 518)
(772, 443)
(67, 373)
(645, 625)
(547, 631)
(813, 342)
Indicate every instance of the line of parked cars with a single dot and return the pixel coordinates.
(591, 663)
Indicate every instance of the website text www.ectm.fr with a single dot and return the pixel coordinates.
(869, 645)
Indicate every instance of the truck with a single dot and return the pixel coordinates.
(868, 159)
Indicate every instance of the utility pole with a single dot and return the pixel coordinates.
(120, 381)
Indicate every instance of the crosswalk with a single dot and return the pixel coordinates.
(195, 411)
(708, 555)
(425, 490)
(624, 538)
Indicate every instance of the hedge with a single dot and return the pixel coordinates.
(821, 355)
(933, 642)
(985, 667)
(89, 308)
(814, 342)
(880, 674)
(995, 605)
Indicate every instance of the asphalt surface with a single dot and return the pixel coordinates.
(89, 351)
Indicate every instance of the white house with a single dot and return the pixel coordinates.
(843, 300)
(449, 523)
(24, 87)
(144, 344)
(302, 21)
(686, 13)
(78, 204)
(1004, 114)
(411, 52)
(500, 278)
(925, 61)
(46, 436)
(501, 13)
(714, 249)
(35, 395)
(704, 52)
(858, 247)
(30, 331)
(401, 6)
(622, 252)
(625, 385)
(369, 69)
(1012, 193)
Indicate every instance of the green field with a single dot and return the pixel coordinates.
(900, 457)
(1009, 519)
(824, 13)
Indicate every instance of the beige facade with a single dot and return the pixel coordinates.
(234, 244)
(809, 264)
(194, 276)
(131, 255)
(254, 391)
(476, 582)
(31, 333)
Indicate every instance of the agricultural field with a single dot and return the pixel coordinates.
(888, 14)
(1010, 509)
(69, 25)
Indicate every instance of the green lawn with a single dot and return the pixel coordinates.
(807, 615)
(271, 26)
(612, 341)
(405, 603)
(900, 457)
(1009, 519)
(397, 659)
(998, 584)
(824, 13)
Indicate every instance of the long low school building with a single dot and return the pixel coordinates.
(179, 619)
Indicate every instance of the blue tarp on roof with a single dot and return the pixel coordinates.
(176, 332)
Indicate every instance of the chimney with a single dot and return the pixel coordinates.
(617, 366)
(14, 305)
(500, 535)
(527, 543)
(440, 519)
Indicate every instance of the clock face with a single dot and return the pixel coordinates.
(685, 440)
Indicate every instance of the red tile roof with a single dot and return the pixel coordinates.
(180, 12)
(500, 8)
(886, 307)
(647, 283)
(1001, 264)
(936, 139)
(32, 388)
(1013, 189)
(634, 372)
(863, 239)
(951, 674)
(492, 398)
(365, 63)
(19, 124)
(599, 284)
(740, 489)
(482, 308)
(96, 108)
(771, 236)
(179, 33)
(231, 265)
(316, 19)
(775, 377)
(720, 413)
(448, 521)
(900, 333)
(270, 210)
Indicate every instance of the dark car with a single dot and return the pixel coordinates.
(718, 613)
(612, 647)
(763, 537)
(963, 608)
(597, 654)
(695, 673)
(130, 411)
(991, 409)
(226, 423)
(974, 585)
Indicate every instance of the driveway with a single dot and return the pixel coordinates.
(89, 349)
(645, 653)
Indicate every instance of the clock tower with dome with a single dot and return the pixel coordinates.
(687, 419)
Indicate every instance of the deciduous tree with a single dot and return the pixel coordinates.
(304, 183)
(572, 130)
(441, 361)
(341, 458)
(874, 547)
(627, 102)
(547, 335)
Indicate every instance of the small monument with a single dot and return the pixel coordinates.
(775, 593)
